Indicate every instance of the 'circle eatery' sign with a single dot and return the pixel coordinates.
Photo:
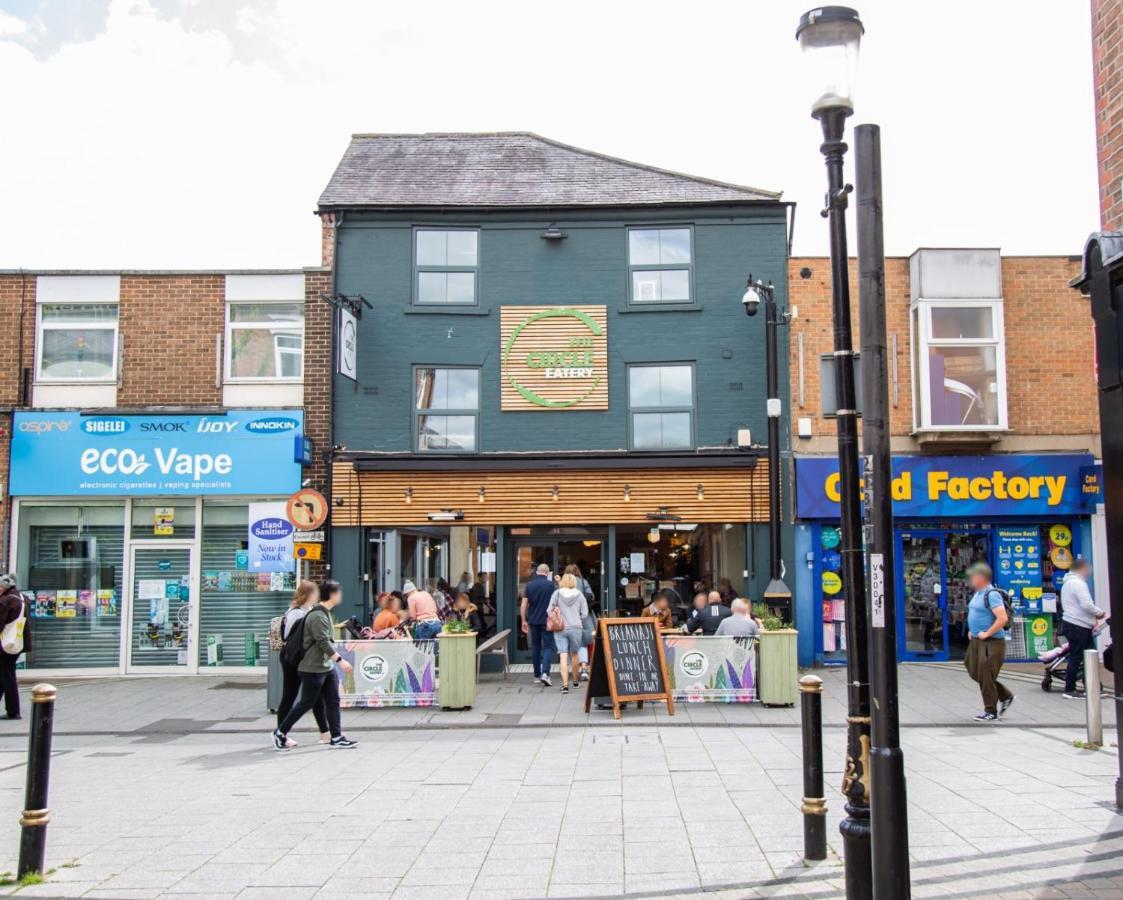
(554, 357)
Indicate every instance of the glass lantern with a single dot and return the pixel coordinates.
(829, 37)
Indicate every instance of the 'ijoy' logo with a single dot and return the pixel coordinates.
(100, 425)
(271, 425)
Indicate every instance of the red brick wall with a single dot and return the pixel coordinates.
(168, 326)
(1050, 380)
(1107, 69)
(17, 293)
(317, 378)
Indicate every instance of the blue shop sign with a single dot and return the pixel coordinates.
(1092, 486)
(238, 452)
(976, 487)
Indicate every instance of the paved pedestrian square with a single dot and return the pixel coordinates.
(168, 787)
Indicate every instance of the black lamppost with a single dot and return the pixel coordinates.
(755, 292)
(829, 37)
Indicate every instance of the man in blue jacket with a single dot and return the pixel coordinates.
(532, 608)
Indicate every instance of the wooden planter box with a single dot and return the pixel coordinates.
(456, 665)
(777, 669)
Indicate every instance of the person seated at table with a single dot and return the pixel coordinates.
(740, 623)
(660, 608)
(709, 616)
(465, 610)
(694, 617)
(386, 617)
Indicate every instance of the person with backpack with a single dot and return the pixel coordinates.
(307, 596)
(1080, 616)
(988, 614)
(316, 667)
(16, 640)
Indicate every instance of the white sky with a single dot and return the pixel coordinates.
(199, 133)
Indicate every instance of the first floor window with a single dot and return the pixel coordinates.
(959, 364)
(265, 341)
(446, 265)
(659, 262)
(446, 408)
(661, 406)
(77, 342)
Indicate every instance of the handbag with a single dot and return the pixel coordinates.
(11, 639)
(554, 620)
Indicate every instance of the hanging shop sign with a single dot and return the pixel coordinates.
(348, 344)
(239, 452)
(270, 538)
(974, 486)
(554, 357)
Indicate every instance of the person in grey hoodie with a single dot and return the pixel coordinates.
(1080, 615)
(569, 600)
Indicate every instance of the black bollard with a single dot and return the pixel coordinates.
(33, 822)
(814, 806)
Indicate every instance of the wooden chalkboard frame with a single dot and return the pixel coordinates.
(601, 666)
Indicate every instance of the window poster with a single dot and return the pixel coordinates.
(163, 521)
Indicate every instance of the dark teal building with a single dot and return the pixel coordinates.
(555, 367)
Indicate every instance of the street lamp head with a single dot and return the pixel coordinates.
(829, 37)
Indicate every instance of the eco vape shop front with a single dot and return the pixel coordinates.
(1027, 515)
(153, 543)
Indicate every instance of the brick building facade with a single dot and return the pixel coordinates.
(1107, 69)
(156, 363)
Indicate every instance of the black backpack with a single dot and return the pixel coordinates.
(1005, 603)
(293, 651)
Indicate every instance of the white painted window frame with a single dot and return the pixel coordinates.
(920, 317)
(42, 326)
(232, 326)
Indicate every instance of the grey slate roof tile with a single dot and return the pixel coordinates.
(507, 169)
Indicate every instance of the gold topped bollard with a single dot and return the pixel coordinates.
(814, 806)
(36, 815)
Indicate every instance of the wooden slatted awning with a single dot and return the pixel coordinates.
(553, 496)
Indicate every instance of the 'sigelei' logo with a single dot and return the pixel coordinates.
(561, 355)
(105, 425)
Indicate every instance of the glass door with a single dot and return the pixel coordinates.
(961, 550)
(528, 557)
(922, 606)
(160, 609)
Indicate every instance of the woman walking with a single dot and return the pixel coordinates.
(568, 604)
(307, 595)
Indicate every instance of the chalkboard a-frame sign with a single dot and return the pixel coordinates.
(628, 664)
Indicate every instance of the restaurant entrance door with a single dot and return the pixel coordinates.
(557, 552)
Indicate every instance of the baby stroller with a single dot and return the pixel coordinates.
(1056, 660)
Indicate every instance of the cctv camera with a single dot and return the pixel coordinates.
(751, 300)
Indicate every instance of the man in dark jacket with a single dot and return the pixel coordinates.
(11, 605)
(709, 616)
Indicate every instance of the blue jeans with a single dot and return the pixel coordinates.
(541, 650)
(425, 631)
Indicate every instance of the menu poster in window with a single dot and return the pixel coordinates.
(1018, 551)
(629, 664)
(270, 539)
(106, 603)
(636, 562)
(67, 607)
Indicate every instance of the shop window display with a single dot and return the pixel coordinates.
(70, 562)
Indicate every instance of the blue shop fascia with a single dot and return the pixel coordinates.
(1027, 515)
(153, 542)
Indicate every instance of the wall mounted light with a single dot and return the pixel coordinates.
(555, 493)
(701, 491)
(653, 536)
(409, 495)
(446, 515)
(483, 491)
(627, 493)
(553, 233)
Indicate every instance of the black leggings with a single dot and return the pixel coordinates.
(1079, 640)
(8, 685)
(289, 690)
(316, 687)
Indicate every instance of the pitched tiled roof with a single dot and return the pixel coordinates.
(507, 169)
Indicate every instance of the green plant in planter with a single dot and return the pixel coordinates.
(768, 621)
(457, 626)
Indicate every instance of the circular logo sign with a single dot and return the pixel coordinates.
(832, 561)
(830, 538)
(832, 583)
(550, 357)
(694, 664)
(373, 667)
(307, 509)
(1060, 535)
(1061, 557)
(1040, 626)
